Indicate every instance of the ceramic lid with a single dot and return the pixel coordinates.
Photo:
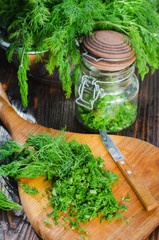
(108, 50)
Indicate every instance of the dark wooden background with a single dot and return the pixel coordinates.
(49, 107)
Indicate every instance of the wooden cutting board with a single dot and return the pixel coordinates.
(144, 158)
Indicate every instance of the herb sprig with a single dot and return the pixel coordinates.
(5, 204)
(57, 26)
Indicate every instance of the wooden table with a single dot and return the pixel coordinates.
(49, 107)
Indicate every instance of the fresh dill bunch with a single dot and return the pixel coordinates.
(75, 18)
(24, 21)
(140, 21)
(58, 27)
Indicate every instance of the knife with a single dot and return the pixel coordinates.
(129, 173)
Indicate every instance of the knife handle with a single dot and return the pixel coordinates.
(137, 185)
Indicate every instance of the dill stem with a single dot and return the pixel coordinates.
(121, 27)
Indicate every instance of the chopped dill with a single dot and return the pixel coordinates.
(29, 189)
(82, 186)
(46, 222)
(127, 198)
(107, 116)
(127, 221)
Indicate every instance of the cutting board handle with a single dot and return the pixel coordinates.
(4, 95)
(8, 115)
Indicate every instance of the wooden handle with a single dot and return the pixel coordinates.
(137, 185)
(18, 127)
(3, 94)
(8, 115)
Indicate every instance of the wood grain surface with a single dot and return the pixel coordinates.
(48, 106)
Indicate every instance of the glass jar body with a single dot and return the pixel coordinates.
(106, 100)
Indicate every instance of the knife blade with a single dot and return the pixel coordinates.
(132, 177)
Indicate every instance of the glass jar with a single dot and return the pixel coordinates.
(106, 99)
(107, 88)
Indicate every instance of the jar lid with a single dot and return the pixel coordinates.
(108, 50)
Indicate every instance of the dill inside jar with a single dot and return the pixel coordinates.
(107, 87)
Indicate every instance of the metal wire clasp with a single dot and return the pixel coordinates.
(88, 92)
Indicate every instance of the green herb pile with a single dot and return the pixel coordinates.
(5, 204)
(57, 26)
(111, 117)
(82, 187)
